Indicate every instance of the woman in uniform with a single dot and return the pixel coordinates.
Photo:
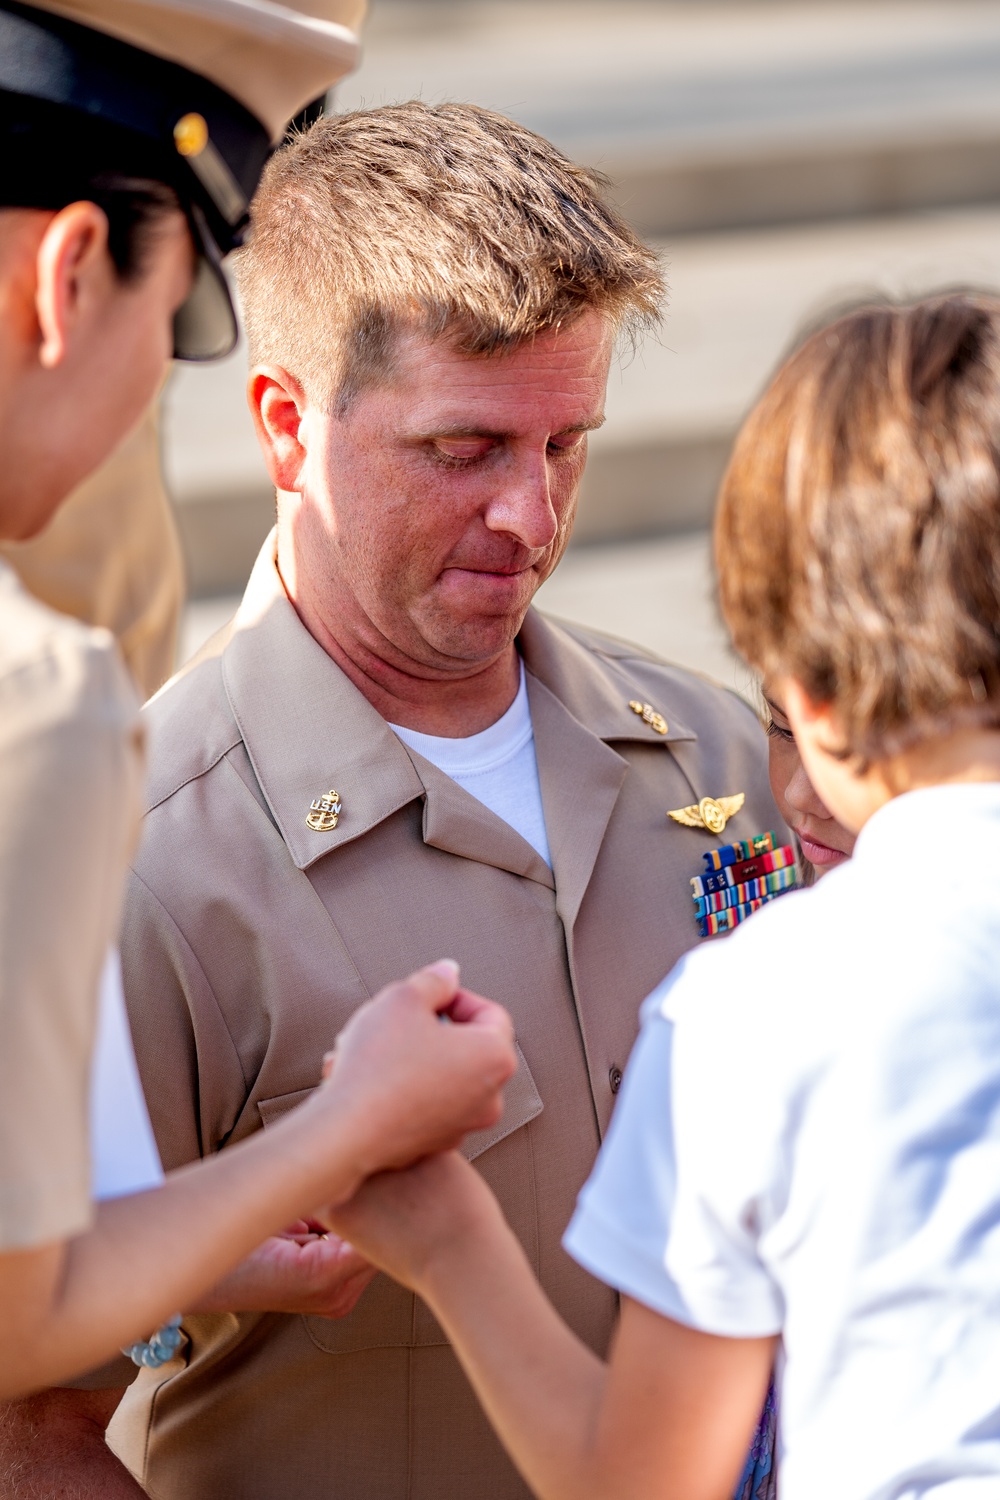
(132, 140)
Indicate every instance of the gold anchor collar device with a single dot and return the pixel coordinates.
(324, 813)
(712, 813)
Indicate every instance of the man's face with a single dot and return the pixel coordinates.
(433, 510)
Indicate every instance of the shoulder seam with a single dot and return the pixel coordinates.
(616, 649)
(182, 935)
(194, 775)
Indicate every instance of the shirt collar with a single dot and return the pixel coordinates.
(596, 687)
(308, 730)
(932, 824)
(306, 727)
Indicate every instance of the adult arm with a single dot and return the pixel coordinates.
(404, 1086)
(670, 1416)
(53, 1444)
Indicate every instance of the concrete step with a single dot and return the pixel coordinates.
(711, 115)
(737, 300)
(719, 115)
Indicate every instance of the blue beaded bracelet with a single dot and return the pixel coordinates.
(162, 1347)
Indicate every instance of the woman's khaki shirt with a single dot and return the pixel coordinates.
(70, 770)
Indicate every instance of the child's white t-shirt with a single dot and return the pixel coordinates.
(498, 767)
(807, 1141)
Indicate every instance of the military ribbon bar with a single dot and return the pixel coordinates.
(732, 854)
(741, 878)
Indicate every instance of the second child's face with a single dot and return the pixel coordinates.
(825, 842)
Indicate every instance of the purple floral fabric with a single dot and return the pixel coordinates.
(760, 1475)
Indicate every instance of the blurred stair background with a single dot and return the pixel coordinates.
(788, 156)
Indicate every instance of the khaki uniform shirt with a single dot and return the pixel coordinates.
(70, 768)
(249, 939)
(111, 556)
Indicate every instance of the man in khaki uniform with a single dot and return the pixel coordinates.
(390, 756)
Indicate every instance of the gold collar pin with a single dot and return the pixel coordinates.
(648, 715)
(324, 813)
(712, 813)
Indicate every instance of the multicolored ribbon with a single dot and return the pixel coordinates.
(732, 854)
(741, 878)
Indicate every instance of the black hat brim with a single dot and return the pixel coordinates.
(55, 65)
(205, 325)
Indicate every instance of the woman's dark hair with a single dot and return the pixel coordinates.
(857, 537)
(50, 156)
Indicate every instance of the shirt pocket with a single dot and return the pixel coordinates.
(388, 1316)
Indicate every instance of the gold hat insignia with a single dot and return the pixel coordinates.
(324, 813)
(191, 134)
(712, 813)
(648, 715)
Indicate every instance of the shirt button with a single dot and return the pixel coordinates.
(615, 1079)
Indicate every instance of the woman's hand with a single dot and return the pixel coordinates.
(414, 1071)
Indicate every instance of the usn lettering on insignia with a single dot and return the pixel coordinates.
(324, 813)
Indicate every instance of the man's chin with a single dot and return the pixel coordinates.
(478, 623)
(477, 641)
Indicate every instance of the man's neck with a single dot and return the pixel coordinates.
(451, 703)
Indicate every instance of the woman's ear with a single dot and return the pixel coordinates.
(278, 404)
(75, 274)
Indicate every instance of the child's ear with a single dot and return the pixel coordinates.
(815, 719)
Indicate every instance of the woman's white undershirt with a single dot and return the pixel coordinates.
(497, 766)
(123, 1153)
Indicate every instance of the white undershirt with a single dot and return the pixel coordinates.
(498, 767)
(123, 1153)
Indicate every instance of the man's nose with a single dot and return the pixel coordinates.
(522, 506)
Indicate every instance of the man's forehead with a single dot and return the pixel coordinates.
(564, 370)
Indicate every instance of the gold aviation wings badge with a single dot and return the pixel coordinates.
(712, 813)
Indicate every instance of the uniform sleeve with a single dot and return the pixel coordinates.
(70, 767)
(189, 1066)
(670, 1215)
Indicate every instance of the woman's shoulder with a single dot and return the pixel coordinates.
(55, 671)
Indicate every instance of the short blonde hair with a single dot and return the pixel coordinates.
(445, 219)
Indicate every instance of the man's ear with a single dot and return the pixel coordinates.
(75, 274)
(278, 404)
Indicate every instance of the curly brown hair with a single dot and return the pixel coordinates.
(449, 220)
(857, 537)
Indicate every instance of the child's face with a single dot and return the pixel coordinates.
(825, 842)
